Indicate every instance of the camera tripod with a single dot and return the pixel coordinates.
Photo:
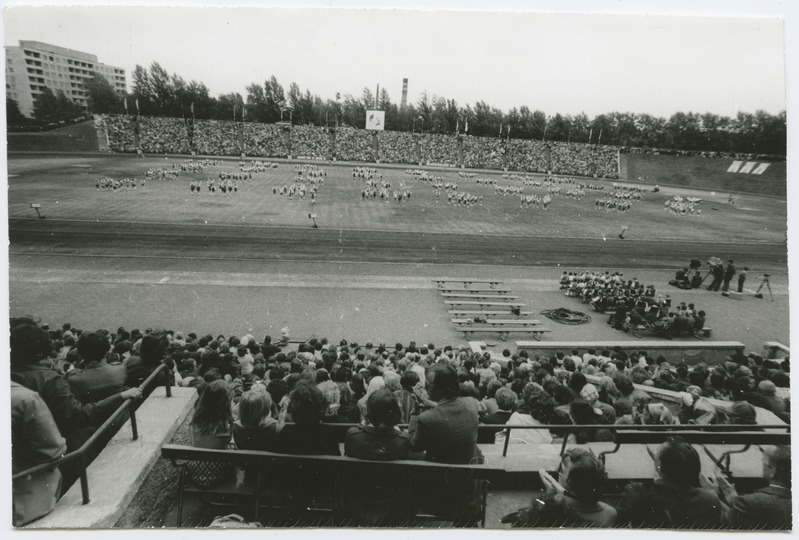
(767, 284)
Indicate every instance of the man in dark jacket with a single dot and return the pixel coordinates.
(30, 367)
(765, 509)
(506, 399)
(447, 433)
(729, 272)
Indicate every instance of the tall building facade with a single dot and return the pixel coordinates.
(404, 101)
(34, 65)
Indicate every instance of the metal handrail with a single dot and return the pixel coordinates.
(80, 453)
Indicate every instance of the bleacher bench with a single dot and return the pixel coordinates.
(468, 282)
(484, 303)
(745, 438)
(478, 296)
(459, 313)
(498, 322)
(498, 290)
(414, 477)
(503, 331)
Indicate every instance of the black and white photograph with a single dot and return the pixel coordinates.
(513, 266)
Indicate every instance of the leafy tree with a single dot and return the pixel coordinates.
(101, 96)
(50, 107)
(13, 115)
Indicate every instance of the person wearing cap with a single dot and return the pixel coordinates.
(769, 390)
(590, 394)
(741, 413)
(768, 508)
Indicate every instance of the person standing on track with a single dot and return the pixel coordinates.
(729, 271)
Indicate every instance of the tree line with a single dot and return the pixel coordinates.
(156, 92)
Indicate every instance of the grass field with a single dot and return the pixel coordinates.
(65, 187)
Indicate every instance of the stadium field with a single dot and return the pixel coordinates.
(66, 189)
(251, 261)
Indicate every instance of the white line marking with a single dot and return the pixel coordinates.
(163, 280)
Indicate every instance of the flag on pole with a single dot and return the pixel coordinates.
(192, 108)
(457, 126)
(509, 131)
(500, 131)
(137, 105)
(599, 140)
(126, 105)
(466, 130)
(590, 133)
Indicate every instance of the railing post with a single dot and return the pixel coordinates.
(167, 383)
(507, 440)
(84, 480)
(133, 426)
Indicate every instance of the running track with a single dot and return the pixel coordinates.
(132, 239)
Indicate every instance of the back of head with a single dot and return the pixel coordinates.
(307, 404)
(506, 398)
(28, 342)
(382, 409)
(213, 406)
(586, 477)
(153, 347)
(445, 381)
(779, 458)
(254, 406)
(93, 347)
(678, 462)
(408, 380)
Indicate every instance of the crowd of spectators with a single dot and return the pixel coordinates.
(440, 149)
(258, 395)
(164, 135)
(484, 153)
(354, 144)
(398, 147)
(213, 137)
(584, 160)
(308, 142)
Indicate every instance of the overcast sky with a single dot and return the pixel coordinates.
(564, 63)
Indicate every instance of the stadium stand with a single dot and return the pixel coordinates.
(223, 138)
(308, 400)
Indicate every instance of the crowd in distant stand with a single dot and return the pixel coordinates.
(354, 144)
(398, 147)
(213, 137)
(439, 149)
(484, 153)
(308, 142)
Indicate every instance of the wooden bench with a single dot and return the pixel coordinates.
(503, 331)
(467, 282)
(478, 295)
(498, 290)
(459, 313)
(498, 322)
(484, 303)
(775, 350)
(413, 477)
(745, 438)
